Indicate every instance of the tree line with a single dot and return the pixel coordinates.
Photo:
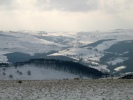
(67, 66)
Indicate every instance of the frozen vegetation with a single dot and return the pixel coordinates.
(67, 90)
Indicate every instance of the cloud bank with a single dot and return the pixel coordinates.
(66, 15)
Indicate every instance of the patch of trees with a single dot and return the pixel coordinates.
(4, 65)
(121, 47)
(108, 57)
(67, 66)
(128, 62)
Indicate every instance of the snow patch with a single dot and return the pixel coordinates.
(117, 60)
(120, 68)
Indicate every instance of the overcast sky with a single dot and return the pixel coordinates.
(66, 15)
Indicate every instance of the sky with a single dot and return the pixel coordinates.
(66, 15)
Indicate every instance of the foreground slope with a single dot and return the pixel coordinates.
(67, 90)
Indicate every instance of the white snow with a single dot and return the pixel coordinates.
(105, 45)
(67, 90)
(3, 58)
(100, 67)
(25, 43)
(117, 60)
(66, 43)
(120, 68)
(37, 73)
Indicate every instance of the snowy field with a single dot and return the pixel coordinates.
(36, 73)
(67, 90)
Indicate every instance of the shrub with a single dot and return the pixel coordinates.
(29, 72)
(19, 81)
(10, 76)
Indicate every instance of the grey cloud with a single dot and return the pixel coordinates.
(111, 6)
(116, 7)
(69, 5)
(5, 2)
(108, 6)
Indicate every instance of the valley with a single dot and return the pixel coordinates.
(109, 52)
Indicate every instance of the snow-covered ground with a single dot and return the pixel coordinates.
(32, 72)
(67, 90)
(117, 60)
(25, 43)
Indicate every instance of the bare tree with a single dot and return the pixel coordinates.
(4, 69)
(29, 72)
(4, 73)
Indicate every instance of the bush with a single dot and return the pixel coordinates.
(29, 72)
(4, 69)
(19, 72)
(19, 81)
(76, 79)
(10, 76)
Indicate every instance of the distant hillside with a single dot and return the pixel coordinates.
(127, 77)
(108, 51)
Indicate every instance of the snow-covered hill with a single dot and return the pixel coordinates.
(40, 69)
(104, 51)
(33, 73)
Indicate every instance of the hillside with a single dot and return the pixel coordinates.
(43, 69)
(109, 51)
